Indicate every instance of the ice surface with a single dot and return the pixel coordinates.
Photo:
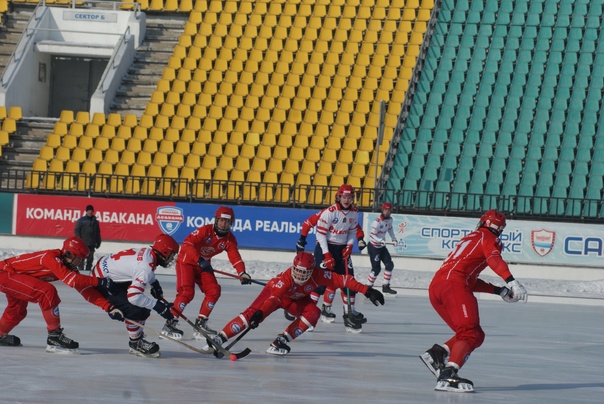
(533, 353)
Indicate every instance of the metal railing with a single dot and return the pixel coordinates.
(306, 196)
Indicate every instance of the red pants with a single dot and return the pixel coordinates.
(21, 289)
(305, 309)
(457, 306)
(187, 276)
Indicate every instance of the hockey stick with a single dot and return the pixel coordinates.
(192, 348)
(228, 347)
(219, 350)
(239, 277)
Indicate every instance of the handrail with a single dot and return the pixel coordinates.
(306, 196)
(113, 63)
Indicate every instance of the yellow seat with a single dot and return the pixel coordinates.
(109, 131)
(67, 116)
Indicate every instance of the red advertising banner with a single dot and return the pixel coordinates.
(55, 216)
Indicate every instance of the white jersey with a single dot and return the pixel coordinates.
(337, 226)
(379, 228)
(135, 265)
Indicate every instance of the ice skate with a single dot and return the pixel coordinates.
(203, 324)
(352, 326)
(388, 291)
(358, 317)
(214, 340)
(279, 346)
(449, 380)
(288, 316)
(435, 359)
(170, 329)
(57, 342)
(9, 340)
(145, 349)
(327, 315)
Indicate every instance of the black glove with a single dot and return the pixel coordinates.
(108, 285)
(375, 296)
(256, 319)
(301, 244)
(98, 245)
(156, 290)
(164, 309)
(361, 243)
(115, 313)
(205, 265)
(246, 279)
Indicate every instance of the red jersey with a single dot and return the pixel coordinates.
(283, 286)
(204, 242)
(48, 266)
(312, 221)
(470, 257)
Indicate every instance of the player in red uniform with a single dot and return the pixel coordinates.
(452, 296)
(290, 290)
(25, 278)
(194, 267)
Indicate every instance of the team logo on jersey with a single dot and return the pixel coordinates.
(543, 241)
(308, 288)
(169, 219)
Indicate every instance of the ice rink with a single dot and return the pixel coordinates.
(533, 353)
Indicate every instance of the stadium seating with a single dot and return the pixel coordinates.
(512, 85)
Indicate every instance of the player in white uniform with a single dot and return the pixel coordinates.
(132, 270)
(336, 231)
(377, 250)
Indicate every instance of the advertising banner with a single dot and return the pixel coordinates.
(528, 242)
(141, 221)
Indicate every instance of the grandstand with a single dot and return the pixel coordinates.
(438, 106)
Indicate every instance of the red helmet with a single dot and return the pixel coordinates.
(345, 190)
(166, 248)
(304, 264)
(224, 212)
(387, 205)
(74, 252)
(493, 220)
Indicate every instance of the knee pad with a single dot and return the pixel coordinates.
(213, 292)
(389, 266)
(311, 315)
(474, 336)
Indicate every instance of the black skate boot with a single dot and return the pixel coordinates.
(327, 315)
(386, 290)
(141, 347)
(58, 342)
(358, 317)
(9, 340)
(279, 346)
(216, 340)
(288, 316)
(351, 324)
(203, 324)
(449, 380)
(435, 359)
(170, 329)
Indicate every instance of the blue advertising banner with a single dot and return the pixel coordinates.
(549, 243)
